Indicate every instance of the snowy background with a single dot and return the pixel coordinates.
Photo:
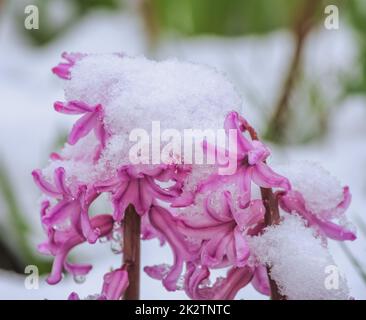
(257, 64)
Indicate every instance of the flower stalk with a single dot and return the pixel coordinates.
(131, 252)
(271, 217)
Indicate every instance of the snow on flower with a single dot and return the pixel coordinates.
(298, 261)
(209, 220)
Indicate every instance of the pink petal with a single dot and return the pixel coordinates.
(334, 231)
(260, 280)
(236, 279)
(242, 251)
(73, 296)
(60, 183)
(234, 122)
(72, 107)
(157, 272)
(115, 284)
(44, 185)
(265, 177)
(82, 127)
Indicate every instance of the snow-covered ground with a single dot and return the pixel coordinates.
(29, 127)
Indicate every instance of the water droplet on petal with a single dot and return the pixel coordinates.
(116, 235)
(180, 283)
(92, 297)
(116, 247)
(79, 278)
(103, 239)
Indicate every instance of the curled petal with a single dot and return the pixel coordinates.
(90, 233)
(200, 229)
(236, 279)
(259, 153)
(44, 207)
(293, 201)
(44, 185)
(157, 272)
(265, 177)
(214, 253)
(251, 215)
(72, 107)
(224, 289)
(234, 122)
(347, 197)
(128, 194)
(63, 70)
(184, 200)
(192, 280)
(115, 284)
(82, 127)
(334, 231)
(60, 212)
(60, 181)
(219, 215)
(147, 231)
(242, 251)
(103, 222)
(260, 280)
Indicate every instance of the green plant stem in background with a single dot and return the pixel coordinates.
(302, 26)
(17, 228)
(148, 14)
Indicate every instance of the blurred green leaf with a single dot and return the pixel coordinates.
(227, 18)
(18, 226)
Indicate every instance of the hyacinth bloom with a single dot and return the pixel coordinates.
(209, 220)
(250, 157)
(61, 242)
(253, 153)
(222, 231)
(137, 185)
(72, 204)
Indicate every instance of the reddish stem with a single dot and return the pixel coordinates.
(131, 252)
(271, 217)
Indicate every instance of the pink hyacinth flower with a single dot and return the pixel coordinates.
(72, 205)
(137, 186)
(254, 153)
(250, 157)
(222, 231)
